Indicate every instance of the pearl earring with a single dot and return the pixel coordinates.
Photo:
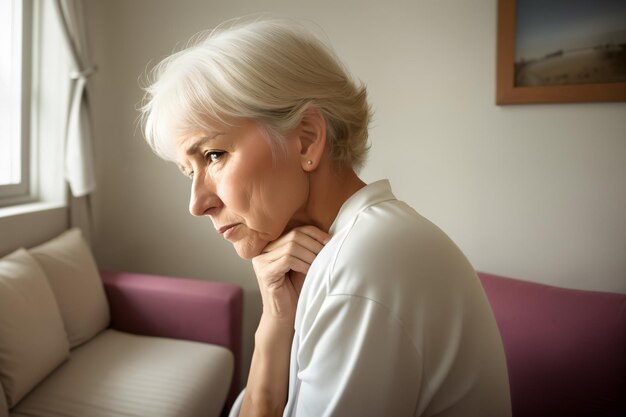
(309, 162)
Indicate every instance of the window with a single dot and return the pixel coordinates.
(15, 82)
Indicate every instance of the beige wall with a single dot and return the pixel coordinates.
(536, 192)
(30, 229)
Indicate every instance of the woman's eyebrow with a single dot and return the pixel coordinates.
(193, 148)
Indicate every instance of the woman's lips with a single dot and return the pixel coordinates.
(228, 230)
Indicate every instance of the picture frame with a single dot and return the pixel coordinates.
(507, 92)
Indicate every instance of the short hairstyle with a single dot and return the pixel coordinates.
(269, 71)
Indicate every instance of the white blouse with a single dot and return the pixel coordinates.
(392, 321)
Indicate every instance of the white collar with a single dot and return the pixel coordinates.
(367, 196)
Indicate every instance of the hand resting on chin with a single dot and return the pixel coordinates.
(280, 270)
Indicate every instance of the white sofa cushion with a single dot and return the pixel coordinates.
(32, 339)
(75, 281)
(121, 374)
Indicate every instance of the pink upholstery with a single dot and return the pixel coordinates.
(199, 310)
(565, 349)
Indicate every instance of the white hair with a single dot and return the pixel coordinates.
(269, 71)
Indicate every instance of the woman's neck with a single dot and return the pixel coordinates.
(329, 188)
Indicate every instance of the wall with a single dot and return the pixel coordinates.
(31, 228)
(534, 191)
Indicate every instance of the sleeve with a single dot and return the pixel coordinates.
(356, 360)
(236, 408)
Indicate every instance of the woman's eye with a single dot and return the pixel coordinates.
(213, 156)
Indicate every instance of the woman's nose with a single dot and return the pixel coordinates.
(203, 200)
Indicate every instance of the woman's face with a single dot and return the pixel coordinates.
(249, 196)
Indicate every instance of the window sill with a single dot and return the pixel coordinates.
(28, 208)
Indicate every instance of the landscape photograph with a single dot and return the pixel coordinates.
(570, 42)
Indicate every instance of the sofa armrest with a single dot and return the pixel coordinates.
(179, 308)
(565, 348)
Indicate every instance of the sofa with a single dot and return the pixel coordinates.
(77, 342)
(565, 348)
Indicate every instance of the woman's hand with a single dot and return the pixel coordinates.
(281, 269)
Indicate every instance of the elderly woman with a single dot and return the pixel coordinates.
(368, 308)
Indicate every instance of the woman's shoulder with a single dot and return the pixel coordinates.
(389, 230)
(390, 247)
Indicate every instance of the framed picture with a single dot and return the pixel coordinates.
(557, 51)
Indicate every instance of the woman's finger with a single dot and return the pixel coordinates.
(295, 249)
(309, 236)
(315, 233)
(271, 273)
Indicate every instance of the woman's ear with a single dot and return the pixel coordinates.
(312, 138)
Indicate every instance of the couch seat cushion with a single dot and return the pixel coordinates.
(32, 339)
(120, 374)
(75, 281)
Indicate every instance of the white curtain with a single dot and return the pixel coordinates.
(79, 169)
(79, 163)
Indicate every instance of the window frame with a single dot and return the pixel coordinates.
(25, 190)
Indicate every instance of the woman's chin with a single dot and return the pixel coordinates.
(247, 251)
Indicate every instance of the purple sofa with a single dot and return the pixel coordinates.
(565, 348)
(178, 308)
